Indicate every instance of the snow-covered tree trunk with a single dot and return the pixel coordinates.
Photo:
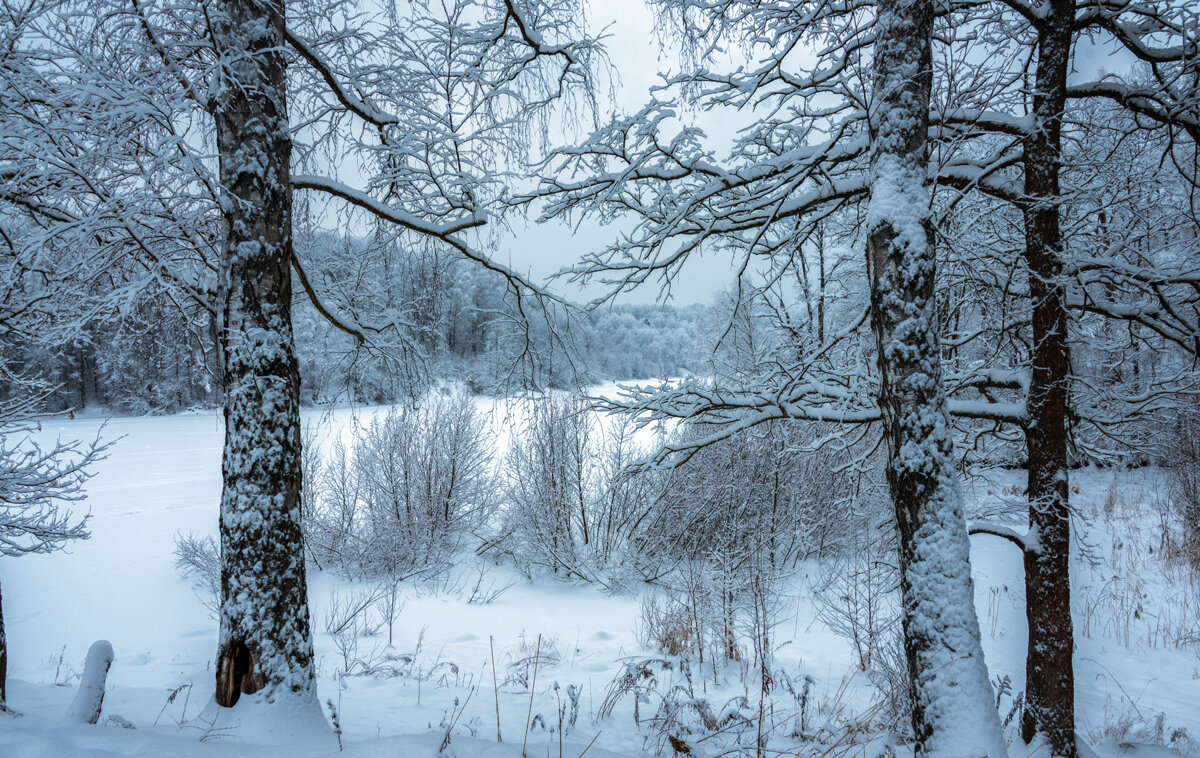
(265, 639)
(1050, 679)
(953, 712)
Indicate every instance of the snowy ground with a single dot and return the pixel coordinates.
(1133, 621)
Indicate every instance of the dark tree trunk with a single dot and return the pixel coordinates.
(952, 709)
(265, 640)
(3, 659)
(1050, 679)
(86, 357)
(821, 287)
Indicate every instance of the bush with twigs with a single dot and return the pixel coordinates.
(412, 490)
(572, 509)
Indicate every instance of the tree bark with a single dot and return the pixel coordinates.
(1049, 677)
(265, 638)
(952, 709)
(3, 660)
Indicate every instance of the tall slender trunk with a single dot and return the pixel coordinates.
(265, 639)
(952, 709)
(3, 659)
(821, 287)
(1050, 679)
(87, 374)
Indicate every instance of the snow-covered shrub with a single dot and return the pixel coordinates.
(330, 516)
(679, 715)
(718, 616)
(771, 490)
(575, 509)
(198, 559)
(683, 715)
(346, 620)
(312, 462)
(666, 623)
(388, 604)
(355, 622)
(571, 508)
(857, 593)
(702, 608)
(889, 674)
(739, 518)
(482, 590)
(636, 682)
(715, 599)
(405, 497)
(550, 479)
(856, 589)
(1127, 724)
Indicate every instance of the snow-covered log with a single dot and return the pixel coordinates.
(85, 708)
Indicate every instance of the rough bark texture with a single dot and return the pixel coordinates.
(265, 639)
(1050, 678)
(3, 659)
(953, 712)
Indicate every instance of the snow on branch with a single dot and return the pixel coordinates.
(446, 232)
(345, 96)
(730, 412)
(1003, 532)
(1153, 103)
(37, 483)
(386, 212)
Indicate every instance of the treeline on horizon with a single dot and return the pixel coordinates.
(448, 321)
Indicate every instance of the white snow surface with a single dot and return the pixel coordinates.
(163, 477)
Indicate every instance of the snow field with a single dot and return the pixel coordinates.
(1134, 657)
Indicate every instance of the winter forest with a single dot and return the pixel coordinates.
(509, 378)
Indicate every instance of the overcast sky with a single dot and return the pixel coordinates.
(542, 249)
(638, 56)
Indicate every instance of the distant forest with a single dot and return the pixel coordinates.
(440, 317)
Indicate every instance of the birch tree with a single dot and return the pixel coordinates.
(952, 710)
(265, 638)
(798, 166)
(164, 137)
